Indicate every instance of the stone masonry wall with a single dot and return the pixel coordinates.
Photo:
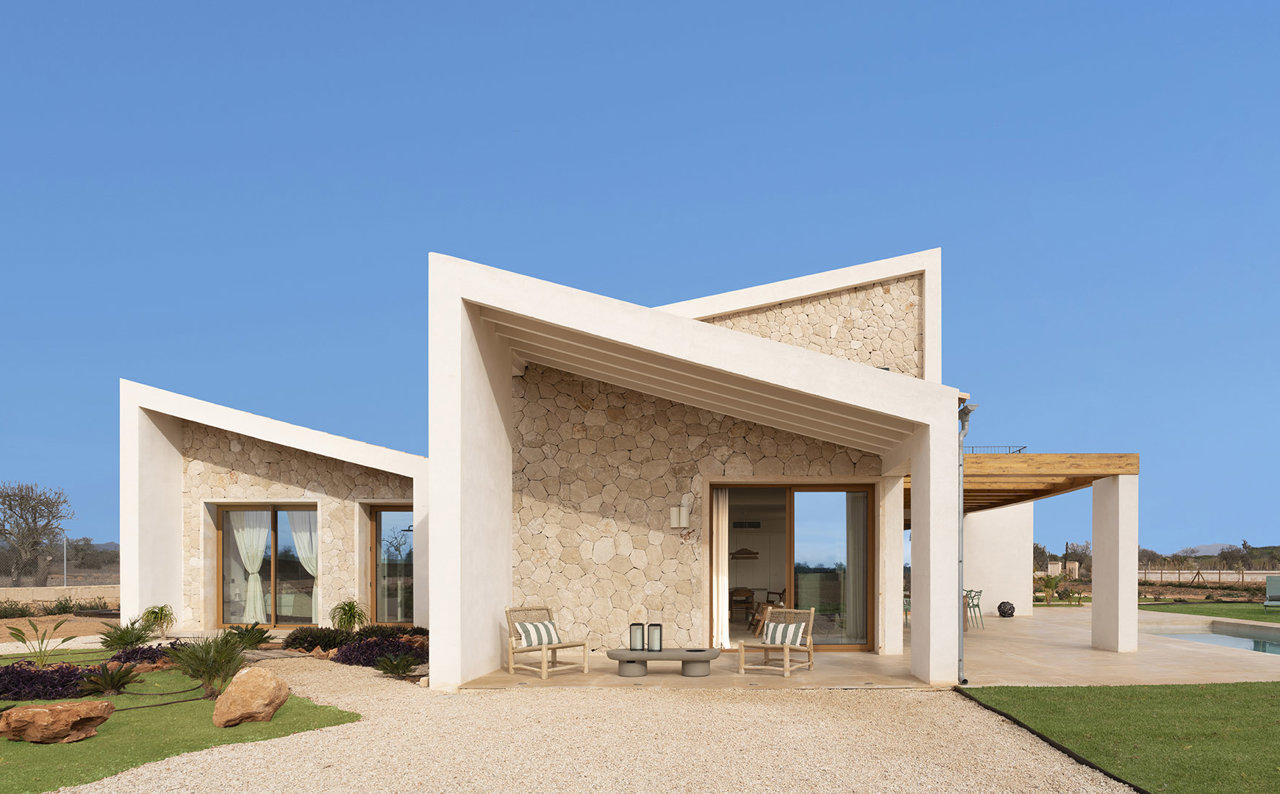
(218, 466)
(596, 469)
(880, 324)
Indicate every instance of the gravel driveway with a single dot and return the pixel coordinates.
(579, 740)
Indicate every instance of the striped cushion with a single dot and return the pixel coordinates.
(782, 633)
(533, 634)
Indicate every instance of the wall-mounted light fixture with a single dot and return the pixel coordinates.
(680, 517)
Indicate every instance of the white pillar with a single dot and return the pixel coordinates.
(935, 553)
(889, 574)
(1115, 563)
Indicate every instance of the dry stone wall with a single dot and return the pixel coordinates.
(596, 469)
(218, 465)
(880, 324)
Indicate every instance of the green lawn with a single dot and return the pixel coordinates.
(1215, 610)
(1190, 738)
(131, 738)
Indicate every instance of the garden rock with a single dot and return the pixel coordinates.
(55, 724)
(253, 695)
(319, 653)
(145, 667)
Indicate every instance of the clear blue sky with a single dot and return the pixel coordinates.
(236, 202)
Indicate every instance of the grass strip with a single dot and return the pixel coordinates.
(1216, 610)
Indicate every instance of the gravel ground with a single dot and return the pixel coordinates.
(579, 740)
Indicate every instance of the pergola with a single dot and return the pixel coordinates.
(1000, 480)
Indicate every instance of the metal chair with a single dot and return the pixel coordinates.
(973, 602)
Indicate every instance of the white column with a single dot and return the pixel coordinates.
(1115, 563)
(889, 541)
(469, 487)
(935, 553)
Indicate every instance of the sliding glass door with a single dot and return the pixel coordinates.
(268, 561)
(393, 565)
(830, 571)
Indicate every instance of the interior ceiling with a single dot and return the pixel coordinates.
(692, 384)
(1009, 479)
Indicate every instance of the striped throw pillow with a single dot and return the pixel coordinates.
(534, 634)
(782, 633)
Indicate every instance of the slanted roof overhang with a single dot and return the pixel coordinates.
(1003, 480)
(693, 362)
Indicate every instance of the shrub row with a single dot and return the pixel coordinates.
(22, 680)
(366, 653)
(63, 606)
(144, 654)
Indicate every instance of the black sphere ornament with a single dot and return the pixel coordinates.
(1005, 609)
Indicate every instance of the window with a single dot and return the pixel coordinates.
(268, 560)
(392, 565)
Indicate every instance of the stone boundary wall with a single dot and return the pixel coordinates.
(595, 471)
(26, 595)
(880, 324)
(218, 465)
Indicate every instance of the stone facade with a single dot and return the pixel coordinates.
(596, 469)
(880, 324)
(221, 466)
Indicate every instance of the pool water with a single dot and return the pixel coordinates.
(1225, 641)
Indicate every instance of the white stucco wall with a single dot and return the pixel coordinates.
(997, 556)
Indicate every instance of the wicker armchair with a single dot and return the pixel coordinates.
(790, 617)
(549, 651)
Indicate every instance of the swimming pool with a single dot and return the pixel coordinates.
(1263, 639)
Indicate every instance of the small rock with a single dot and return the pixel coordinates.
(56, 724)
(319, 653)
(253, 695)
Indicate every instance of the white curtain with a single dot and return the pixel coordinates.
(252, 530)
(720, 565)
(305, 541)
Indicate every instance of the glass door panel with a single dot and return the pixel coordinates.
(246, 566)
(297, 548)
(393, 574)
(830, 548)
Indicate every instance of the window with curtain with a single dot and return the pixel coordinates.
(270, 560)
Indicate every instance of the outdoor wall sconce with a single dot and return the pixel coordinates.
(680, 517)
(637, 636)
(655, 636)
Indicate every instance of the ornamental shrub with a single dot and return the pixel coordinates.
(144, 654)
(130, 635)
(63, 606)
(375, 630)
(15, 609)
(308, 637)
(366, 653)
(24, 681)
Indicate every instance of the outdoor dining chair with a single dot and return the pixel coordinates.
(973, 603)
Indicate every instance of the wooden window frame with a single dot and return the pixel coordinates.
(274, 509)
(375, 544)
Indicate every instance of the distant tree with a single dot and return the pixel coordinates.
(1231, 557)
(31, 521)
(1081, 553)
(1039, 557)
(1189, 551)
(1149, 558)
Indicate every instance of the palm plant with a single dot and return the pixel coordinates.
(1049, 584)
(132, 634)
(106, 680)
(348, 615)
(159, 617)
(213, 661)
(250, 637)
(398, 665)
(40, 644)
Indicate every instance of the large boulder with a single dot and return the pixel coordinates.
(54, 724)
(253, 695)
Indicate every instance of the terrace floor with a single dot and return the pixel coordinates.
(1049, 648)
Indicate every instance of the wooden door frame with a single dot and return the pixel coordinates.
(375, 538)
(790, 489)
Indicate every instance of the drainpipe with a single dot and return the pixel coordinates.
(965, 410)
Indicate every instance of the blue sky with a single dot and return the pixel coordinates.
(236, 202)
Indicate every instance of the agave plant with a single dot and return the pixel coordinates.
(348, 615)
(213, 661)
(40, 644)
(399, 665)
(104, 680)
(160, 618)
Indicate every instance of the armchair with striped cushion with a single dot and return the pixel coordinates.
(531, 629)
(789, 631)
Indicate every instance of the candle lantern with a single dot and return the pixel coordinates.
(637, 636)
(655, 636)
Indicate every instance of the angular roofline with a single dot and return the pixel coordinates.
(274, 431)
(927, 264)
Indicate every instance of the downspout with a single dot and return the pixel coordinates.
(965, 410)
